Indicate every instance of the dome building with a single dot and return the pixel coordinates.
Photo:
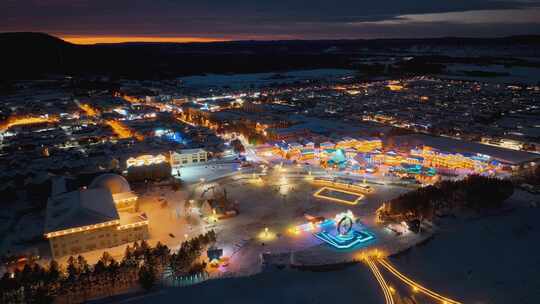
(124, 199)
(114, 182)
(101, 216)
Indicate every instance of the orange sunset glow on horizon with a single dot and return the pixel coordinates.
(122, 39)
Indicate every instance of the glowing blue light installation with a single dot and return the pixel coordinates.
(346, 241)
(348, 232)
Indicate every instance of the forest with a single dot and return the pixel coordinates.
(474, 192)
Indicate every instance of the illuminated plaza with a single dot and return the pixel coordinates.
(281, 213)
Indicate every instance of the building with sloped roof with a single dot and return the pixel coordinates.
(88, 219)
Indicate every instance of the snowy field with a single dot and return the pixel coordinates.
(263, 79)
(279, 204)
(207, 171)
(527, 75)
(351, 285)
(490, 259)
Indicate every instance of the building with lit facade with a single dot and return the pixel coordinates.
(368, 144)
(327, 145)
(392, 158)
(90, 219)
(350, 147)
(360, 144)
(438, 159)
(266, 150)
(188, 157)
(145, 160)
(346, 142)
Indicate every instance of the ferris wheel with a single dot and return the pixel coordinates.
(344, 225)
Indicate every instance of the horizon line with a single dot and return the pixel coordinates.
(89, 40)
(119, 39)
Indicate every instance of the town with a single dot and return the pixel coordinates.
(262, 152)
(245, 178)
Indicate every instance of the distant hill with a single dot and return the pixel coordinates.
(29, 55)
(29, 38)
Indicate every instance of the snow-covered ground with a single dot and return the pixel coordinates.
(489, 259)
(351, 285)
(263, 79)
(280, 207)
(208, 171)
(20, 227)
(527, 75)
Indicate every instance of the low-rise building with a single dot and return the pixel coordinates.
(188, 157)
(90, 219)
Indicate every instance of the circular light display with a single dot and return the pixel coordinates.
(344, 225)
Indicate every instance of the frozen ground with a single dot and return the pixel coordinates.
(492, 259)
(208, 171)
(527, 75)
(262, 79)
(280, 203)
(20, 226)
(489, 259)
(351, 285)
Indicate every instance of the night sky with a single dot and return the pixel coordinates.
(180, 20)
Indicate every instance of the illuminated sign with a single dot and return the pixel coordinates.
(330, 193)
(145, 160)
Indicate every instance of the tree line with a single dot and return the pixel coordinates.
(474, 192)
(529, 176)
(142, 265)
(154, 172)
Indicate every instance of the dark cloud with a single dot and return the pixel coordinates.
(239, 18)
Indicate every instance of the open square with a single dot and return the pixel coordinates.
(339, 195)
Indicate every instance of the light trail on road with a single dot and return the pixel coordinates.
(185, 121)
(19, 121)
(384, 286)
(414, 285)
(88, 109)
(123, 131)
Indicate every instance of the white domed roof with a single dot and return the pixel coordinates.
(114, 182)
